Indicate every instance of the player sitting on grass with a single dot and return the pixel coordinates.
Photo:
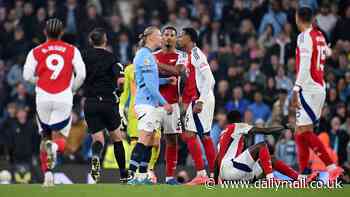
(233, 162)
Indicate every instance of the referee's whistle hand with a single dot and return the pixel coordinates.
(168, 108)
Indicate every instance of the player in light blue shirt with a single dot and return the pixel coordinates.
(149, 104)
(147, 80)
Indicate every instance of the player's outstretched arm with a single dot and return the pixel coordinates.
(173, 70)
(267, 131)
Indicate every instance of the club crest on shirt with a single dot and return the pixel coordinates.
(146, 62)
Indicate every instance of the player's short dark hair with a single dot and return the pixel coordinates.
(169, 27)
(305, 14)
(54, 28)
(97, 36)
(192, 33)
(234, 116)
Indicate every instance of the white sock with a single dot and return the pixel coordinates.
(168, 178)
(202, 173)
(269, 176)
(331, 167)
(54, 147)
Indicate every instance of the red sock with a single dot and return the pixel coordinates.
(195, 151)
(209, 152)
(302, 150)
(280, 166)
(43, 161)
(265, 160)
(61, 143)
(171, 159)
(316, 145)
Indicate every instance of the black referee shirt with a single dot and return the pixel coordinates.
(102, 72)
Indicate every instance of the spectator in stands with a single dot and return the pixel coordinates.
(222, 94)
(286, 150)
(270, 91)
(339, 140)
(22, 99)
(326, 20)
(274, 16)
(218, 126)
(266, 39)
(23, 138)
(280, 108)
(341, 31)
(254, 75)
(259, 108)
(238, 102)
(123, 48)
(282, 81)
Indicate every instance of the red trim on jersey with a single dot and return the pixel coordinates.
(225, 141)
(315, 70)
(190, 90)
(44, 73)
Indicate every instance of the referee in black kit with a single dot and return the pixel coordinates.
(101, 109)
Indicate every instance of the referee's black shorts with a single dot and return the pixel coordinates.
(101, 113)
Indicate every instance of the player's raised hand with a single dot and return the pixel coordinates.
(168, 108)
(198, 107)
(295, 100)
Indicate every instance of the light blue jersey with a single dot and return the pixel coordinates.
(147, 79)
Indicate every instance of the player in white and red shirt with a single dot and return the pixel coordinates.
(57, 70)
(171, 63)
(234, 162)
(309, 92)
(200, 109)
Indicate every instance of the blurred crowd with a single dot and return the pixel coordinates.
(250, 45)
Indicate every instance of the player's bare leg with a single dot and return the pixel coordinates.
(171, 154)
(305, 139)
(119, 152)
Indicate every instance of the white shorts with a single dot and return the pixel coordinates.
(200, 123)
(243, 167)
(149, 117)
(53, 115)
(311, 108)
(171, 122)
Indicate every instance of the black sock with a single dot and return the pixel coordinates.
(136, 156)
(119, 154)
(97, 148)
(145, 159)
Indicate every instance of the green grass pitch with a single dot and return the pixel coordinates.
(115, 190)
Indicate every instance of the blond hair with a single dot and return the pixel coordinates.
(143, 36)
